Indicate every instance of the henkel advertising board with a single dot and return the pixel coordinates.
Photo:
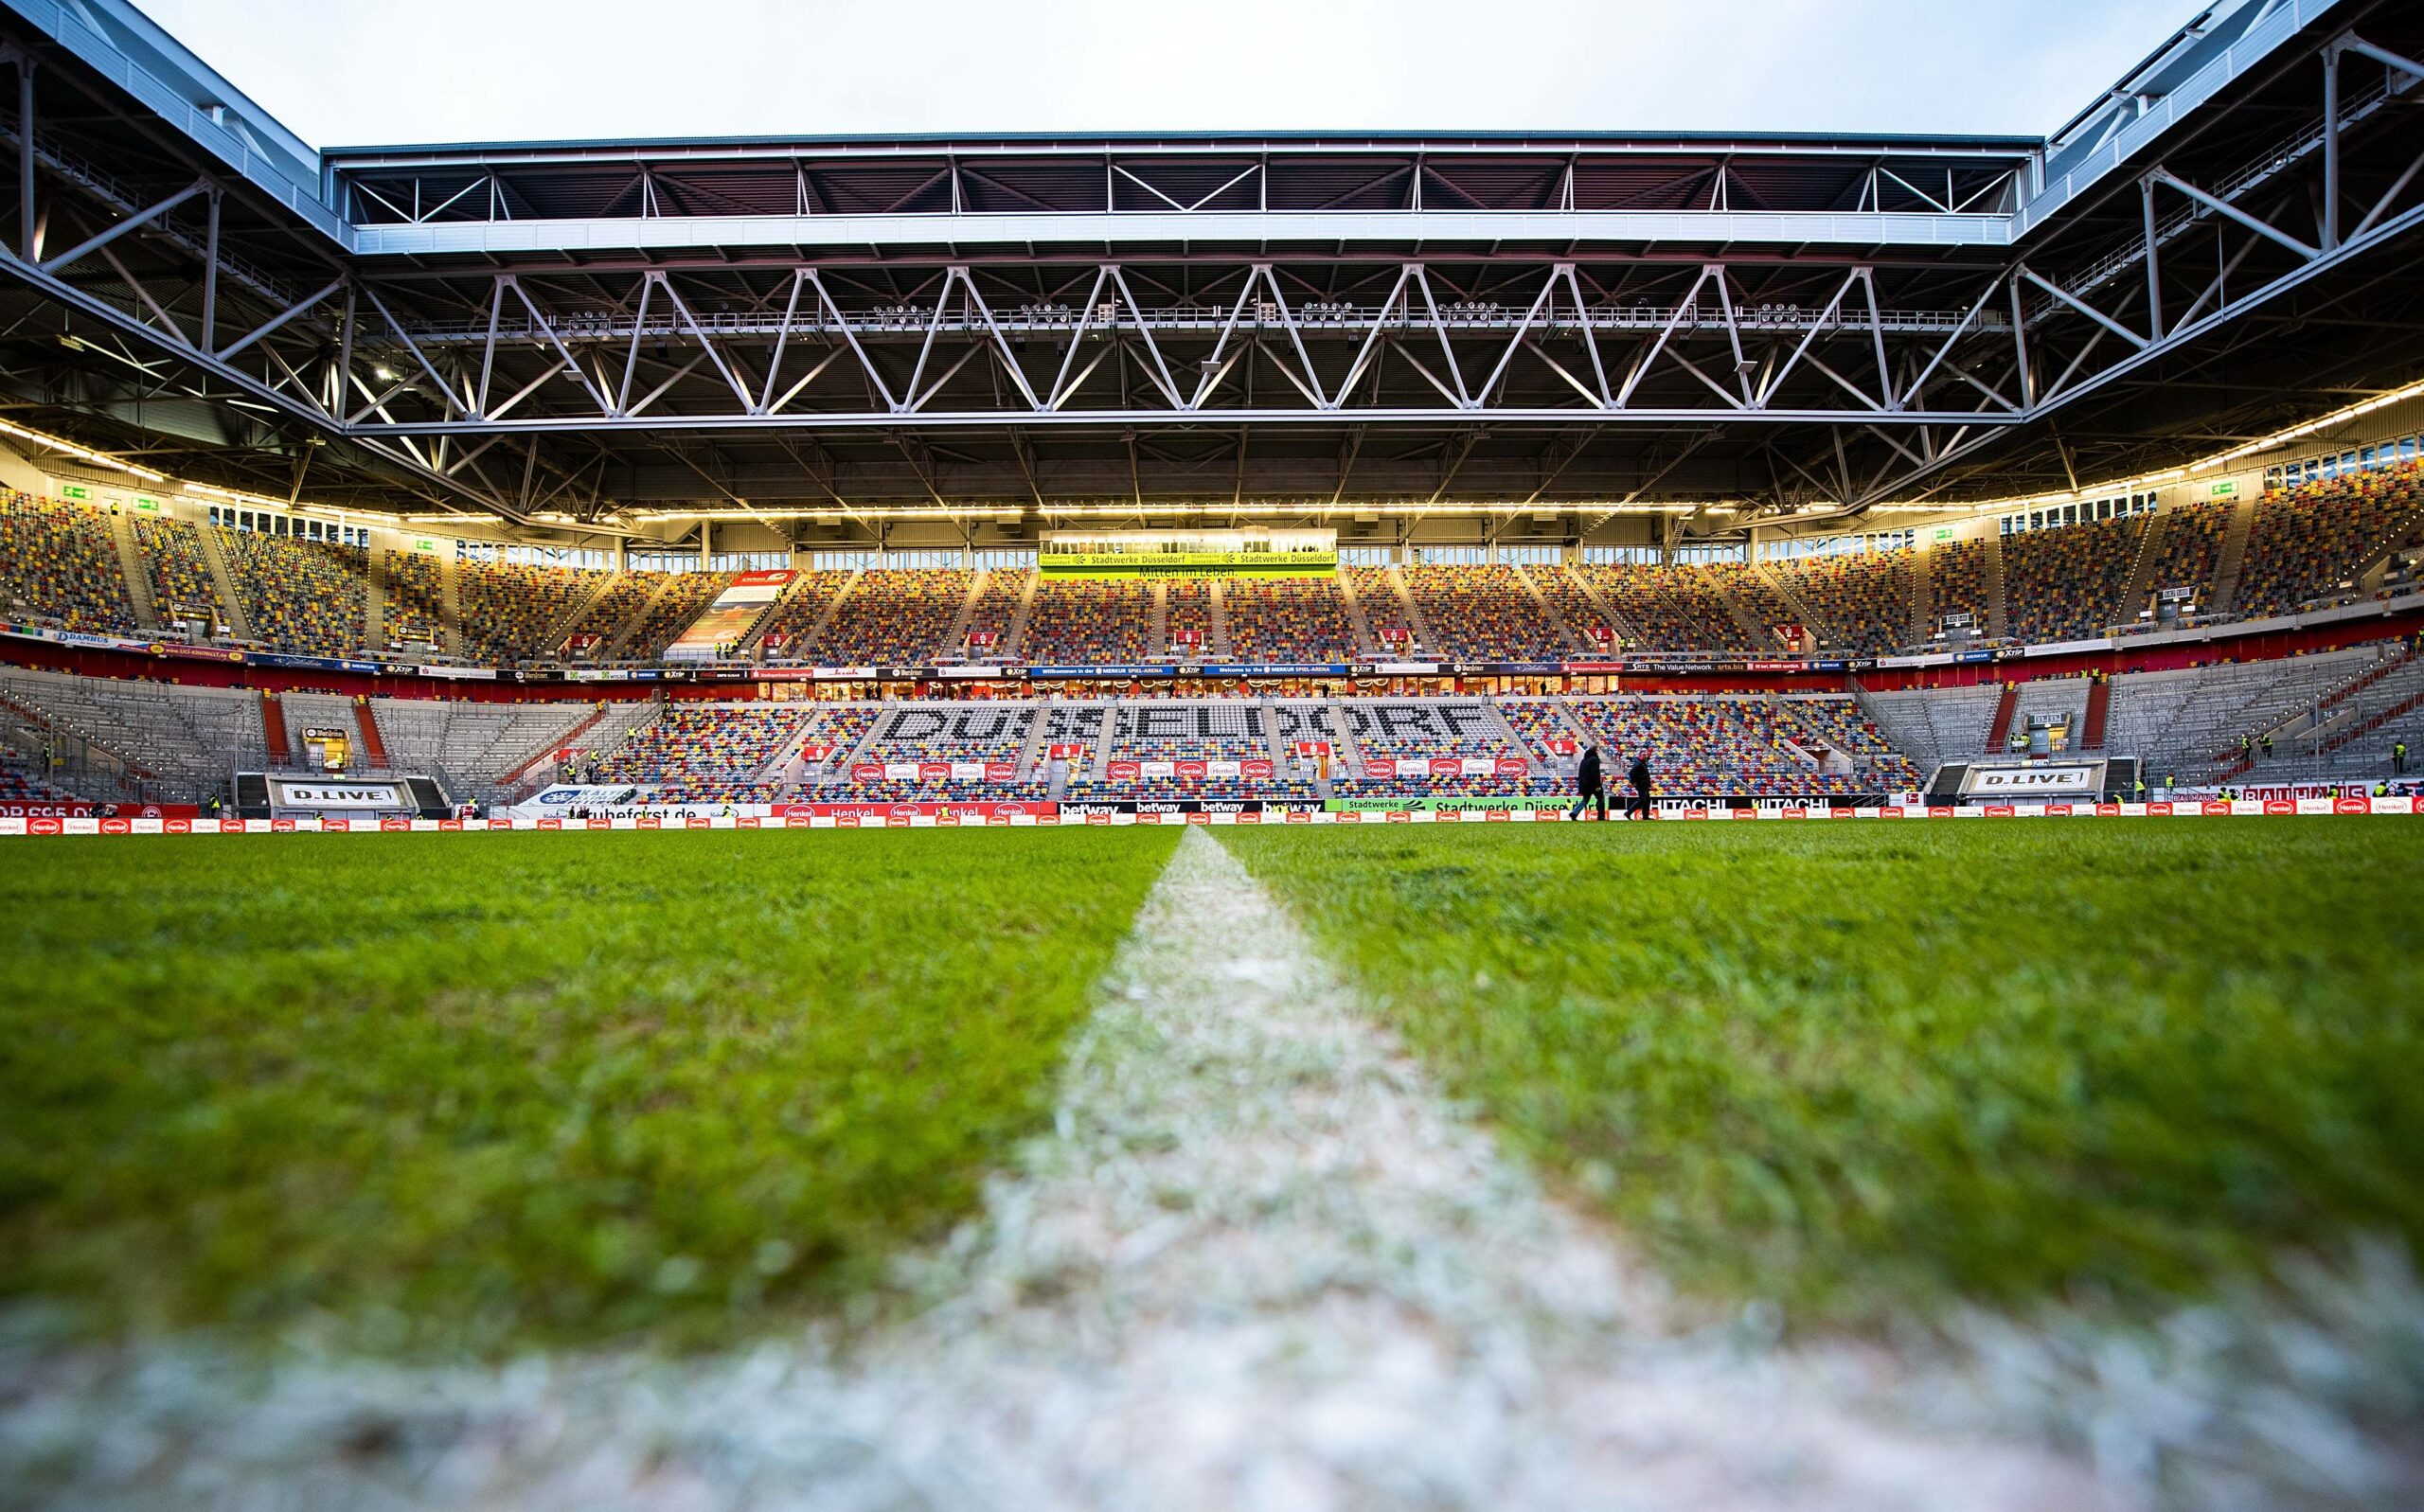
(1382, 768)
(2002, 783)
(973, 809)
(735, 610)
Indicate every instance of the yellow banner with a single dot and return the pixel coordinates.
(1187, 563)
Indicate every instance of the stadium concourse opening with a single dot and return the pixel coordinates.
(561, 553)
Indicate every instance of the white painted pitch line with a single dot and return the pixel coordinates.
(1257, 1262)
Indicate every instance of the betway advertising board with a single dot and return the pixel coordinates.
(735, 610)
(2006, 782)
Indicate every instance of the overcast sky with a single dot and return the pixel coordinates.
(346, 72)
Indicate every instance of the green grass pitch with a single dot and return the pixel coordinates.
(1869, 1066)
(444, 1091)
(461, 1092)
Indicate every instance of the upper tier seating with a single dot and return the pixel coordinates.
(1082, 620)
(1188, 616)
(182, 585)
(1864, 599)
(509, 607)
(995, 611)
(787, 627)
(895, 619)
(1568, 600)
(1750, 590)
(2189, 550)
(685, 594)
(1672, 608)
(2309, 540)
(308, 597)
(1481, 614)
(2067, 584)
(1957, 583)
(416, 600)
(58, 561)
(1383, 610)
(605, 615)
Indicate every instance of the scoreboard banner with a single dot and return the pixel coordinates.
(2032, 780)
(1188, 554)
(286, 793)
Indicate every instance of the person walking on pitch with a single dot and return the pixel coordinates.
(1589, 785)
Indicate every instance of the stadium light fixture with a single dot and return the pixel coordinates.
(82, 453)
(2155, 480)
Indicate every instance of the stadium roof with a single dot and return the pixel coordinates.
(1561, 319)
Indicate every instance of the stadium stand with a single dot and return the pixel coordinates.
(1567, 599)
(416, 610)
(1755, 596)
(894, 617)
(189, 740)
(1675, 609)
(474, 745)
(2067, 582)
(308, 597)
(1733, 745)
(2190, 551)
(183, 589)
(1957, 583)
(949, 732)
(593, 633)
(1864, 599)
(1079, 621)
(1187, 612)
(1288, 619)
(509, 608)
(1934, 725)
(1481, 614)
(995, 613)
(1398, 733)
(19, 783)
(2312, 541)
(784, 630)
(59, 563)
(684, 595)
(705, 753)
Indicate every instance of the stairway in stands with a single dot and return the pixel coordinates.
(374, 745)
(2141, 573)
(1922, 624)
(2100, 703)
(222, 576)
(130, 566)
(2233, 556)
(1999, 733)
(282, 749)
(1998, 615)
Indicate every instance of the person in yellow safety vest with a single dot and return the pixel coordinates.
(2398, 757)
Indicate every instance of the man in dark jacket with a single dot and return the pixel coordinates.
(1589, 788)
(1639, 776)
